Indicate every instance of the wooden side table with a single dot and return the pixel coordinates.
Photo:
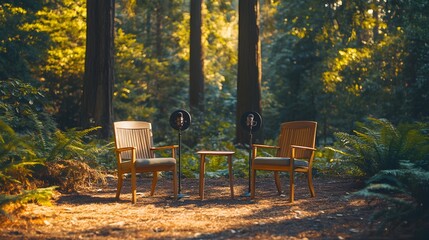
(203, 155)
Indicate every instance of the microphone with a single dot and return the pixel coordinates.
(250, 122)
(180, 120)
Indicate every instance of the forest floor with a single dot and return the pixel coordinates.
(96, 214)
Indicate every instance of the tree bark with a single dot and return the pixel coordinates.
(196, 74)
(249, 66)
(98, 78)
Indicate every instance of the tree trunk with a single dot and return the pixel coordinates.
(249, 66)
(99, 60)
(196, 74)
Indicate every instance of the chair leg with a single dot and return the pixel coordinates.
(119, 187)
(252, 184)
(133, 186)
(292, 186)
(277, 180)
(310, 183)
(154, 181)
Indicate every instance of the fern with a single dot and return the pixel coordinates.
(9, 203)
(377, 145)
(406, 190)
(71, 145)
(17, 157)
(22, 109)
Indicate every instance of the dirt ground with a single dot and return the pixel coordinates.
(96, 214)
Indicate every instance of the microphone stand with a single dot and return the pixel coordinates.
(250, 153)
(250, 156)
(252, 124)
(180, 120)
(180, 195)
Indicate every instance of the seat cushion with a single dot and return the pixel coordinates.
(152, 162)
(280, 161)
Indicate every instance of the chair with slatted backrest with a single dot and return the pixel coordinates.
(135, 154)
(294, 153)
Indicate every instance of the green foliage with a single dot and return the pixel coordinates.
(150, 77)
(74, 160)
(294, 64)
(22, 108)
(62, 69)
(332, 62)
(132, 87)
(406, 190)
(10, 203)
(152, 64)
(71, 145)
(220, 39)
(64, 21)
(378, 145)
(17, 157)
(189, 162)
(23, 165)
(213, 128)
(338, 61)
(21, 49)
(326, 162)
(104, 157)
(23, 154)
(216, 166)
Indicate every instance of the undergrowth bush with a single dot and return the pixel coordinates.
(72, 175)
(64, 167)
(378, 145)
(327, 163)
(34, 153)
(10, 204)
(395, 160)
(22, 107)
(17, 158)
(406, 191)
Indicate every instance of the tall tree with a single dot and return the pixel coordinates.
(249, 65)
(98, 78)
(196, 72)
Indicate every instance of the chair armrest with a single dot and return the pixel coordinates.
(303, 147)
(256, 146)
(294, 147)
(264, 146)
(164, 147)
(124, 149)
(172, 147)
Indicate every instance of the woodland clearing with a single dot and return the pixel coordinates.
(96, 214)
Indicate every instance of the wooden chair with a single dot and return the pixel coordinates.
(135, 154)
(295, 153)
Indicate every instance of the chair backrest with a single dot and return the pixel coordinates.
(134, 134)
(302, 133)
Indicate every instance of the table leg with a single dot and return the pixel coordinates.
(231, 175)
(202, 171)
